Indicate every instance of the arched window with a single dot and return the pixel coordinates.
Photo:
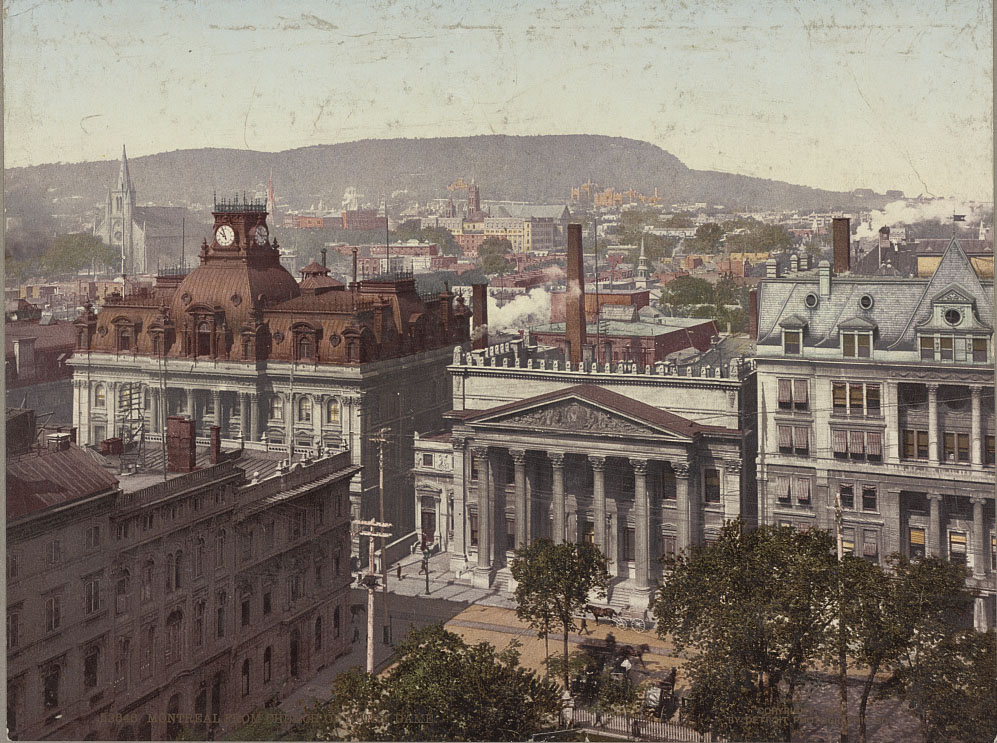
(220, 616)
(245, 677)
(335, 622)
(293, 654)
(173, 726)
(169, 572)
(178, 571)
(124, 339)
(199, 558)
(305, 347)
(147, 572)
(304, 409)
(91, 665)
(198, 624)
(220, 548)
(332, 412)
(204, 339)
(247, 348)
(51, 677)
(148, 651)
(318, 633)
(121, 594)
(174, 637)
(98, 396)
(267, 659)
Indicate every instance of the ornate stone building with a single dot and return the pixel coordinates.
(239, 344)
(878, 392)
(640, 463)
(151, 604)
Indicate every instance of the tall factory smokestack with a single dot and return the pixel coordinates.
(841, 239)
(323, 256)
(574, 297)
(479, 310)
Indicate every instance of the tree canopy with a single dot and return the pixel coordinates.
(441, 688)
(72, 252)
(753, 608)
(491, 255)
(554, 582)
(411, 229)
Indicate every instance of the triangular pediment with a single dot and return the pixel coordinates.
(574, 416)
(954, 294)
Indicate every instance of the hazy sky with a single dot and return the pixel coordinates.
(833, 94)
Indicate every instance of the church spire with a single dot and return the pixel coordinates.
(124, 180)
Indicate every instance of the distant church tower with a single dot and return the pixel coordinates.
(643, 268)
(119, 220)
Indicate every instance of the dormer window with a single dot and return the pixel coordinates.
(856, 345)
(791, 341)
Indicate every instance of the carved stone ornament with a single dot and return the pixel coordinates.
(236, 300)
(185, 298)
(639, 466)
(518, 456)
(598, 462)
(278, 337)
(335, 339)
(733, 466)
(577, 417)
(102, 331)
(681, 469)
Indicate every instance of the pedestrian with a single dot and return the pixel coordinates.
(598, 717)
(356, 633)
(584, 629)
(399, 571)
(635, 729)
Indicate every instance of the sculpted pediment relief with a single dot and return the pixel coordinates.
(574, 416)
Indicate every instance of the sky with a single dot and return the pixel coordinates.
(836, 94)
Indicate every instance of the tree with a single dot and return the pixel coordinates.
(554, 582)
(441, 688)
(708, 237)
(491, 255)
(686, 290)
(72, 252)
(754, 609)
(410, 229)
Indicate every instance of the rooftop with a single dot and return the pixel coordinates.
(645, 328)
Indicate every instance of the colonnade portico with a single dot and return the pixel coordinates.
(625, 521)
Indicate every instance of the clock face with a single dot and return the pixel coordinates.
(261, 235)
(225, 235)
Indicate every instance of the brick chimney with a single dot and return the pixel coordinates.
(323, 256)
(841, 239)
(24, 357)
(574, 297)
(215, 445)
(753, 314)
(181, 444)
(58, 441)
(479, 316)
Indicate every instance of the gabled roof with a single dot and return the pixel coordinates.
(607, 401)
(40, 480)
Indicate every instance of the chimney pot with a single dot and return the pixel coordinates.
(824, 279)
(771, 269)
(215, 446)
(181, 444)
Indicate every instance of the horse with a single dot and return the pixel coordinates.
(635, 652)
(600, 612)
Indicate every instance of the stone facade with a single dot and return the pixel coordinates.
(878, 392)
(640, 463)
(205, 596)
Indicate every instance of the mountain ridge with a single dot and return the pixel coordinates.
(526, 168)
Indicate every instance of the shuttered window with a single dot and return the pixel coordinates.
(786, 437)
(801, 439)
(801, 392)
(856, 444)
(782, 487)
(803, 489)
(839, 439)
(916, 541)
(874, 444)
(785, 393)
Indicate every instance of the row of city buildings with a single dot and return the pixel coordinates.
(869, 394)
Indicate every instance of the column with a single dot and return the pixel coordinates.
(894, 526)
(287, 400)
(642, 557)
(318, 418)
(976, 437)
(257, 417)
(458, 550)
(154, 396)
(891, 412)
(681, 470)
(979, 535)
(190, 409)
(483, 567)
(522, 502)
(111, 401)
(935, 526)
(245, 431)
(557, 460)
(599, 501)
(933, 455)
(730, 495)
(216, 399)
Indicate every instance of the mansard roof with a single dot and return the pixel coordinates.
(898, 305)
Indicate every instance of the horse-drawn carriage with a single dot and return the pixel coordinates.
(659, 700)
(622, 618)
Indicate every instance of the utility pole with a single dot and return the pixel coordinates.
(371, 529)
(381, 441)
(842, 655)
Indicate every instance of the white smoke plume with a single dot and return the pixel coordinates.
(901, 213)
(525, 310)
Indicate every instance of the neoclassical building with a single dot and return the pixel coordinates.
(641, 463)
(238, 343)
(878, 392)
